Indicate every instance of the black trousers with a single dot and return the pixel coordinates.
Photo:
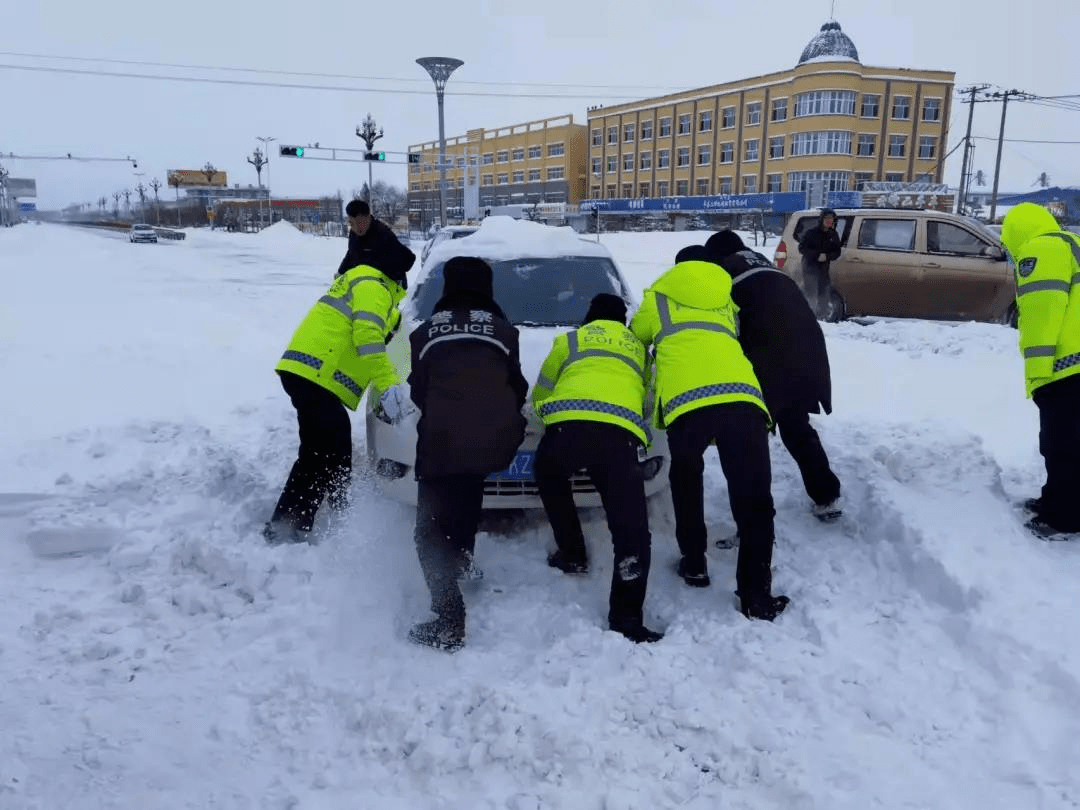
(323, 466)
(804, 445)
(447, 514)
(742, 441)
(609, 454)
(816, 285)
(1059, 444)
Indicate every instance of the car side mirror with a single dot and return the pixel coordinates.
(995, 253)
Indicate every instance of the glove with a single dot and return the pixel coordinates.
(394, 404)
(822, 257)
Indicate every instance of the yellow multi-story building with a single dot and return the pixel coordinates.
(830, 124)
(539, 161)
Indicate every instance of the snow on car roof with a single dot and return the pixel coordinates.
(500, 238)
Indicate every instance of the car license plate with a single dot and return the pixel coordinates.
(520, 469)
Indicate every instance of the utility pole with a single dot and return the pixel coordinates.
(142, 200)
(366, 133)
(116, 204)
(258, 161)
(155, 184)
(266, 151)
(127, 200)
(1001, 140)
(961, 199)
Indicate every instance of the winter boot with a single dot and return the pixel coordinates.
(1044, 531)
(557, 559)
(468, 570)
(636, 632)
(440, 634)
(1033, 505)
(694, 571)
(281, 532)
(763, 607)
(828, 512)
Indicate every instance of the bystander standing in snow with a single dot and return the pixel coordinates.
(371, 242)
(819, 247)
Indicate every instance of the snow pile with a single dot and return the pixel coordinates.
(283, 233)
(157, 653)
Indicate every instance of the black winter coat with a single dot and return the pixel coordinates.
(780, 336)
(380, 248)
(817, 240)
(466, 380)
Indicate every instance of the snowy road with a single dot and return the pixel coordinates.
(155, 653)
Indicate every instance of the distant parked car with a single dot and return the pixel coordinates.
(142, 233)
(443, 234)
(911, 264)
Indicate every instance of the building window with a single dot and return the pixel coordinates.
(487, 159)
(487, 180)
(518, 154)
(611, 192)
(825, 102)
(682, 188)
(867, 145)
(612, 134)
(826, 181)
(628, 162)
(628, 190)
(594, 193)
(596, 165)
(861, 179)
(628, 133)
(925, 177)
(461, 182)
(663, 159)
(727, 152)
(774, 183)
(612, 164)
(870, 106)
(662, 188)
(534, 175)
(665, 127)
(901, 108)
(897, 145)
(414, 187)
(503, 179)
(927, 147)
(556, 149)
(502, 156)
(534, 152)
(702, 188)
(894, 177)
(597, 137)
(643, 190)
(518, 177)
(646, 160)
(779, 109)
(684, 124)
(749, 184)
(727, 117)
(776, 147)
(556, 173)
(683, 156)
(725, 185)
(704, 154)
(931, 109)
(826, 142)
(751, 152)
(646, 130)
(705, 121)
(753, 113)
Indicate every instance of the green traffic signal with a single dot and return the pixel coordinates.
(299, 151)
(292, 151)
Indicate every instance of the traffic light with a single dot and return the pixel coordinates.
(374, 155)
(292, 151)
(414, 157)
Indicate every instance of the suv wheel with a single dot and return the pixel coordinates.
(1011, 316)
(836, 310)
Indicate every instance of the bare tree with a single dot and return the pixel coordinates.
(387, 202)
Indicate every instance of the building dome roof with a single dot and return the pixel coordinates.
(829, 43)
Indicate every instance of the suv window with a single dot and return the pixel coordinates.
(538, 292)
(806, 223)
(887, 234)
(944, 237)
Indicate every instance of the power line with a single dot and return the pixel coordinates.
(1021, 140)
(267, 71)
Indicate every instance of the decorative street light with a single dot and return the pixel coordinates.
(440, 68)
(266, 152)
(366, 132)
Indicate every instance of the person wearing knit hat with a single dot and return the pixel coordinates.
(590, 395)
(784, 342)
(466, 381)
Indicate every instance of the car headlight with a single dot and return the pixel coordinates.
(651, 467)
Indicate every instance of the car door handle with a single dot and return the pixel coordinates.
(855, 259)
(931, 264)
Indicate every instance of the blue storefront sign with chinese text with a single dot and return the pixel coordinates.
(778, 202)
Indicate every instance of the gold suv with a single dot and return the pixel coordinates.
(909, 264)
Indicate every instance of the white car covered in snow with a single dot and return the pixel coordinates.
(544, 279)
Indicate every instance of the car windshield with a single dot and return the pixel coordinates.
(538, 292)
(459, 234)
(141, 228)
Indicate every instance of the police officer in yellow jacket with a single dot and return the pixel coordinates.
(590, 395)
(335, 353)
(1047, 263)
(706, 391)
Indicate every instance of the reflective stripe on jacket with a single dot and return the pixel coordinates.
(688, 315)
(341, 343)
(1047, 262)
(596, 373)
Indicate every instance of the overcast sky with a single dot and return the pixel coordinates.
(578, 53)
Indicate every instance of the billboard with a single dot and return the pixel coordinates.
(195, 178)
(22, 187)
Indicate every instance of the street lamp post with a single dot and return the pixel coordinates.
(141, 190)
(440, 68)
(366, 132)
(266, 151)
